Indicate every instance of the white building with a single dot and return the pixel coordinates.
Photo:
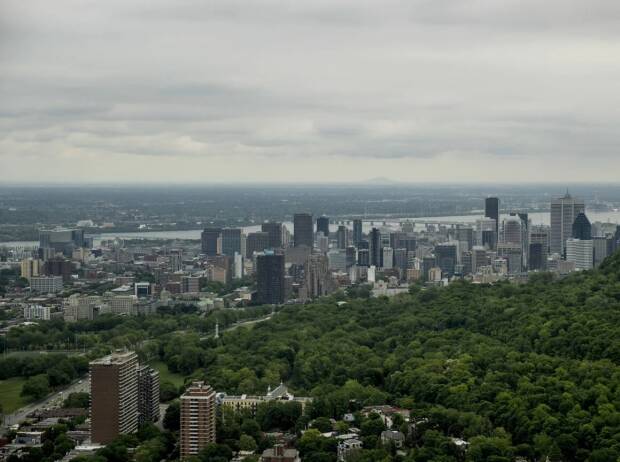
(37, 312)
(581, 253)
(388, 257)
(46, 284)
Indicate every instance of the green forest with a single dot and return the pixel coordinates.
(526, 372)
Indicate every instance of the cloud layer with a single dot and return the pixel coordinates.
(231, 90)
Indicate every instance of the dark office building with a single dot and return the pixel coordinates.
(63, 241)
(350, 256)
(375, 247)
(427, 264)
(302, 230)
(58, 267)
(341, 237)
(489, 239)
(357, 232)
(322, 226)
(274, 230)
(231, 241)
(537, 257)
(491, 210)
(256, 242)
(209, 239)
(582, 229)
(401, 259)
(270, 279)
(363, 257)
(445, 256)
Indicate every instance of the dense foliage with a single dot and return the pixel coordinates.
(517, 370)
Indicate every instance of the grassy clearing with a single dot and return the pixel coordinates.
(165, 375)
(10, 398)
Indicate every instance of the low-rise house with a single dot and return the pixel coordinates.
(348, 447)
(392, 436)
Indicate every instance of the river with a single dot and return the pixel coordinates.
(537, 218)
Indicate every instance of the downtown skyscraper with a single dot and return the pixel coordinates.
(564, 211)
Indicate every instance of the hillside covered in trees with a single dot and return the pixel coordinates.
(517, 370)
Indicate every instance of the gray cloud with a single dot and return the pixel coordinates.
(338, 90)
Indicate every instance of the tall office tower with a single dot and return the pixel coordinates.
(511, 230)
(513, 254)
(148, 394)
(401, 260)
(374, 241)
(322, 225)
(387, 257)
(363, 257)
(582, 229)
(302, 230)
(198, 411)
(427, 264)
(466, 263)
(491, 210)
(238, 266)
(603, 248)
(538, 257)
(486, 233)
(465, 235)
(231, 241)
(113, 396)
(30, 267)
(342, 237)
(351, 255)
(564, 210)
(210, 240)
(478, 258)
(357, 231)
(270, 279)
(337, 260)
(317, 278)
(581, 252)
(396, 240)
(525, 237)
(275, 234)
(256, 242)
(540, 235)
(322, 242)
(446, 258)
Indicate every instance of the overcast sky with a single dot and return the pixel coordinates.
(317, 90)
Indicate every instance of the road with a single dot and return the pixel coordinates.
(241, 324)
(52, 401)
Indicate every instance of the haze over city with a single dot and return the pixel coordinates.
(313, 91)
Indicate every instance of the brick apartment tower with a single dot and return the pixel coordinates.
(113, 396)
(197, 419)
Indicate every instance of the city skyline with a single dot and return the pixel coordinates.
(160, 91)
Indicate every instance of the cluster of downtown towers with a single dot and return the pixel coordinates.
(279, 258)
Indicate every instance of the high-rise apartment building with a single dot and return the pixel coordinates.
(113, 396)
(302, 230)
(30, 267)
(270, 275)
(317, 278)
(148, 394)
(197, 419)
(211, 241)
(322, 225)
(491, 210)
(564, 210)
(274, 230)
